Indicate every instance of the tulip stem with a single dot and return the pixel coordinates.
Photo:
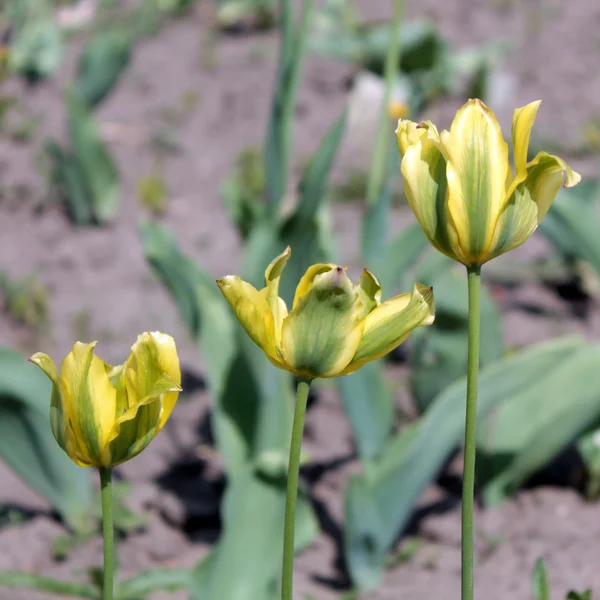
(292, 489)
(108, 532)
(468, 491)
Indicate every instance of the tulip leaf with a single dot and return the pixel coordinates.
(28, 446)
(279, 132)
(14, 579)
(253, 399)
(533, 426)
(539, 581)
(103, 60)
(306, 230)
(400, 255)
(368, 401)
(247, 560)
(379, 501)
(572, 223)
(146, 582)
(439, 355)
(93, 158)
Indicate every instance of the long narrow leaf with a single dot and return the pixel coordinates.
(28, 446)
(379, 502)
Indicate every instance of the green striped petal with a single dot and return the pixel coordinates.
(59, 420)
(369, 292)
(276, 304)
(424, 172)
(477, 173)
(391, 323)
(545, 175)
(522, 123)
(322, 332)
(92, 402)
(147, 389)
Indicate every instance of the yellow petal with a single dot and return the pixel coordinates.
(59, 409)
(252, 311)
(523, 120)
(276, 304)
(306, 283)
(322, 332)
(92, 402)
(369, 292)
(424, 172)
(477, 173)
(391, 323)
(407, 134)
(545, 175)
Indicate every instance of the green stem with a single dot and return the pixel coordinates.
(474, 277)
(392, 60)
(108, 532)
(292, 490)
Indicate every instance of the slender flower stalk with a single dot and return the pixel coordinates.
(292, 490)
(108, 532)
(468, 491)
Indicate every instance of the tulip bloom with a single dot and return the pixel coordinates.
(471, 204)
(334, 327)
(102, 416)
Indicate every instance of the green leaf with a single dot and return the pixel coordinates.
(70, 183)
(380, 500)
(368, 401)
(572, 223)
(439, 355)
(587, 595)
(247, 560)
(103, 60)
(28, 446)
(13, 579)
(147, 582)
(535, 424)
(400, 255)
(93, 158)
(307, 230)
(279, 132)
(253, 399)
(36, 44)
(539, 582)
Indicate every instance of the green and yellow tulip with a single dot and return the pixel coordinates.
(471, 204)
(102, 416)
(334, 327)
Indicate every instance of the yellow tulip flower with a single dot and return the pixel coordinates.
(334, 327)
(471, 204)
(102, 416)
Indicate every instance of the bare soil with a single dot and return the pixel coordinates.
(101, 288)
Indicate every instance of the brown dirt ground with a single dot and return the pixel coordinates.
(100, 283)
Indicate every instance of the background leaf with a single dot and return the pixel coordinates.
(28, 446)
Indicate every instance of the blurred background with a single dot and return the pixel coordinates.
(149, 147)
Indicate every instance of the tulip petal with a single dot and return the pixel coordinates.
(306, 282)
(92, 402)
(252, 311)
(408, 133)
(477, 173)
(321, 334)
(424, 172)
(369, 292)
(276, 304)
(545, 175)
(391, 323)
(523, 120)
(59, 418)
